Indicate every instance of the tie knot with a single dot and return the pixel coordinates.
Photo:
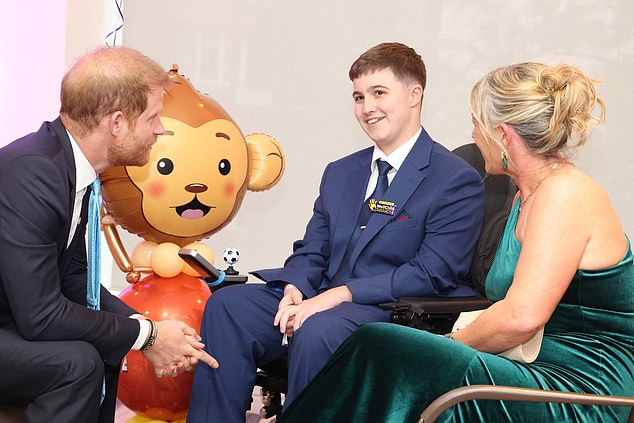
(383, 166)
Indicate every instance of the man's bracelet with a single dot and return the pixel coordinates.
(152, 338)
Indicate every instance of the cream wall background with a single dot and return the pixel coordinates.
(280, 67)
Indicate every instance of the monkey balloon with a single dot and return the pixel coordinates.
(193, 185)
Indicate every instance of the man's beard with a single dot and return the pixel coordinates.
(118, 155)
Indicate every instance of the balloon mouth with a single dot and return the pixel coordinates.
(193, 210)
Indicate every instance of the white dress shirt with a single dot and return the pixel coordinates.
(395, 160)
(84, 176)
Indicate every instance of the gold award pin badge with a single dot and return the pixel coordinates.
(383, 207)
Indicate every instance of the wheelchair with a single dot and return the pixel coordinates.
(438, 315)
(433, 314)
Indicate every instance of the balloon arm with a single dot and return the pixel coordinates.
(113, 240)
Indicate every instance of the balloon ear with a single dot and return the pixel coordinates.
(266, 162)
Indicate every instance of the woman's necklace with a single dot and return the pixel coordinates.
(550, 172)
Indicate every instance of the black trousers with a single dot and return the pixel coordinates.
(56, 381)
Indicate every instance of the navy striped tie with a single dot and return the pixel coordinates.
(345, 269)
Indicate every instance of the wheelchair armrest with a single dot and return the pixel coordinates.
(229, 280)
(437, 305)
(433, 314)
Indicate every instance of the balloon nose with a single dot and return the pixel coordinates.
(196, 188)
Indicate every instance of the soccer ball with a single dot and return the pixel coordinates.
(231, 256)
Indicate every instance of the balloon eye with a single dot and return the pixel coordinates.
(165, 166)
(224, 167)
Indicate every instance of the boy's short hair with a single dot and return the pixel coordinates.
(403, 61)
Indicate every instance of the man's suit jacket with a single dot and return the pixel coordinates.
(42, 282)
(425, 248)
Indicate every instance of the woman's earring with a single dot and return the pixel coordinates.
(505, 161)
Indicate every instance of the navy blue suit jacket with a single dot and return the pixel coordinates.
(42, 282)
(425, 248)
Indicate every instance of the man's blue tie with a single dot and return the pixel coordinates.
(93, 288)
(345, 268)
(94, 247)
(378, 193)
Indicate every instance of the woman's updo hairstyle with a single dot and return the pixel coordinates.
(550, 107)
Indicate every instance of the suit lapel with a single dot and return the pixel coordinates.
(79, 236)
(67, 162)
(407, 180)
(352, 201)
(68, 158)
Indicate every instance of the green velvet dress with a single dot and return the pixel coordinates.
(389, 373)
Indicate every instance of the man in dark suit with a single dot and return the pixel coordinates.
(54, 351)
(397, 219)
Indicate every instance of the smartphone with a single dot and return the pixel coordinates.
(199, 263)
